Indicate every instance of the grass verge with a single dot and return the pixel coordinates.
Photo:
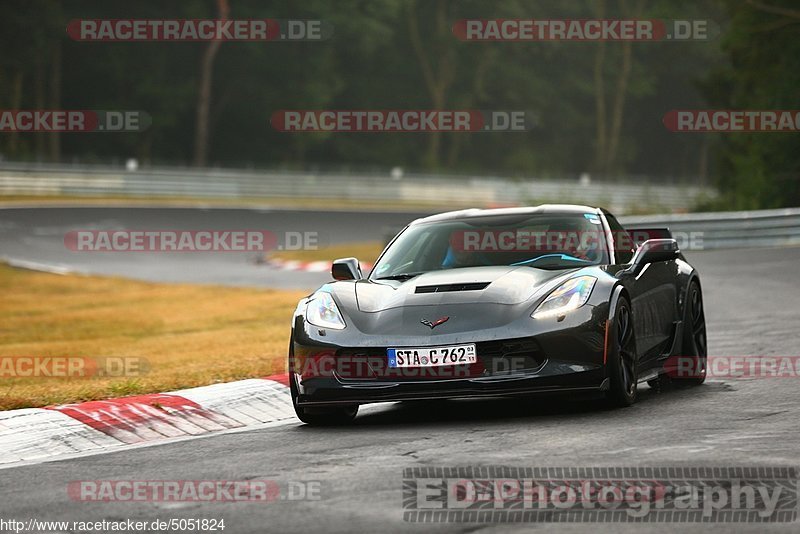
(366, 252)
(186, 335)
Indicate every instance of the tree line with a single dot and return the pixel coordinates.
(598, 106)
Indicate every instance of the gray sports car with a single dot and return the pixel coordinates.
(475, 303)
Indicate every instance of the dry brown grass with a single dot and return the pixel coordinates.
(187, 335)
(366, 252)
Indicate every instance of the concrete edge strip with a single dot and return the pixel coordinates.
(36, 266)
(42, 433)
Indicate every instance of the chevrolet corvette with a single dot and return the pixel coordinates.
(498, 302)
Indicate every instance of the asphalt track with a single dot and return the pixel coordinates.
(37, 235)
(752, 308)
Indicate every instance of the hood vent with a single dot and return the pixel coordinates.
(442, 288)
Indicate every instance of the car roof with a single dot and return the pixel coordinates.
(475, 212)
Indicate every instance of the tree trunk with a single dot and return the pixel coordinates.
(608, 135)
(204, 93)
(15, 103)
(478, 90)
(54, 138)
(620, 96)
(601, 143)
(39, 98)
(439, 77)
(617, 110)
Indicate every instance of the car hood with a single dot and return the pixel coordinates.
(505, 285)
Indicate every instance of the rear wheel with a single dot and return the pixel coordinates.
(622, 360)
(689, 368)
(323, 416)
(694, 337)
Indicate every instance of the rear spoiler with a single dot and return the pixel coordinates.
(640, 235)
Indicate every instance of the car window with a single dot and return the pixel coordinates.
(623, 248)
(548, 241)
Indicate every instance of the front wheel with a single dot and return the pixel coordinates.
(337, 415)
(622, 362)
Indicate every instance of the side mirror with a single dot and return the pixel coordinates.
(640, 235)
(346, 269)
(654, 250)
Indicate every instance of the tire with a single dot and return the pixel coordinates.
(622, 361)
(334, 416)
(694, 336)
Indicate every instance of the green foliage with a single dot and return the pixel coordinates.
(759, 170)
(374, 61)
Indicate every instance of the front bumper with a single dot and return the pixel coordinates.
(329, 391)
(561, 356)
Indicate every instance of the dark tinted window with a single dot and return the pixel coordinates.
(546, 241)
(623, 248)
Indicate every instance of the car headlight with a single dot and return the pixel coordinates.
(322, 311)
(569, 296)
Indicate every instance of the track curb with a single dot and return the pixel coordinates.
(42, 433)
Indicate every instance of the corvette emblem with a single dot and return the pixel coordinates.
(435, 323)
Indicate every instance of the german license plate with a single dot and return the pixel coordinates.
(432, 356)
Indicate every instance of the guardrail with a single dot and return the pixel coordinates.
(779, 227)
(732, 229)
(434, 190)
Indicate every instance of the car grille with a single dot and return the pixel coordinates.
(495, 358)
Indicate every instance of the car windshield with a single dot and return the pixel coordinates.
(543, 241)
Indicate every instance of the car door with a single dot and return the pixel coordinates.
(653, 296)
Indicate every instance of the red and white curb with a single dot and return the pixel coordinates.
(95, 426)
(307, 266)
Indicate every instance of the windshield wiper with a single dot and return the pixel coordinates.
(402, 276)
